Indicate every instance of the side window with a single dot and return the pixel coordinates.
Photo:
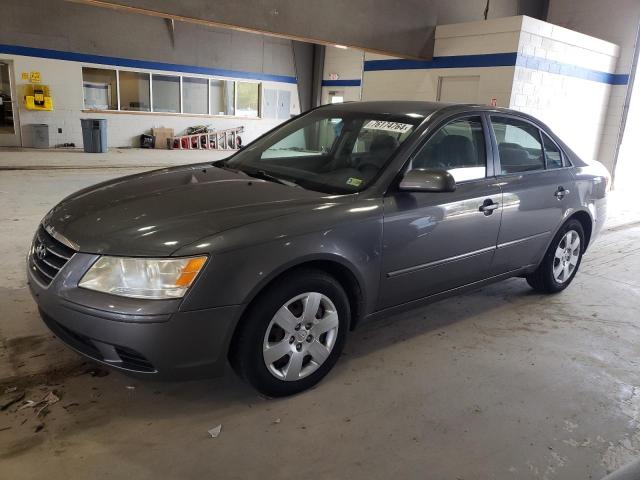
(552, 152)
(458, 147)
(518, 145)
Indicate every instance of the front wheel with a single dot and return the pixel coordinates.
(560, 264)
(292, 334)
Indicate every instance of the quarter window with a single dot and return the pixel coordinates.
(551, 152)
(518, 145)
(458, 147)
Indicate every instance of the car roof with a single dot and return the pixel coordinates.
(408, 107)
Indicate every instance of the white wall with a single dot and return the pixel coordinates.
(615, 21)
(575, 108)
(472, 38)
(579, 110)
(65, 80)
(347, 64)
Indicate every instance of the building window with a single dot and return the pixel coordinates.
(222, 97)
(106, 89)
(100, 87)
(195, 95)
(134, 91)
(166, 93)
(248, 99)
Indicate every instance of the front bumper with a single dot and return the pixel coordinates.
(142, 337)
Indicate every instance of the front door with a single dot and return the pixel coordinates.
(9, 126)
(434, 242)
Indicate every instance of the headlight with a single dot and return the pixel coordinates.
(143, 277)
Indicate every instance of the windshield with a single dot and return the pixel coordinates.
(326, 150)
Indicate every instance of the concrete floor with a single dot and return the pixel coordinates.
(502, 383)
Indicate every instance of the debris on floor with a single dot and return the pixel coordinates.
(26, 404)
(43, 405)
(215, 431)
(95, 371)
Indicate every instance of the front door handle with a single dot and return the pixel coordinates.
(561, 192)
(488, 206)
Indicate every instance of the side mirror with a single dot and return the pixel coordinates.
(427, 180)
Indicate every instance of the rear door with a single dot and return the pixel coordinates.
(436, 241)
(536, 184)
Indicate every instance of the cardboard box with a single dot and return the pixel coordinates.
(162, 135)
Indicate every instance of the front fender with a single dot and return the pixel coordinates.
(235, 277)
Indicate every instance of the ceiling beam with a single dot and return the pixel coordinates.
(376, 26)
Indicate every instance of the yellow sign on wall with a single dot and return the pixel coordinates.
(34, 77)
(24, 75)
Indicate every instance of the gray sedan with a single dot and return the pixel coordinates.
(343, 214)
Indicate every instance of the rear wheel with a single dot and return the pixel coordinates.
(293, 334)
(560, 264)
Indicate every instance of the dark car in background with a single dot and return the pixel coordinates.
(340, 215)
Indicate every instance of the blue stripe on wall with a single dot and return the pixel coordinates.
(499, 60)
(340, 83)
(537, 63)
(143, 64)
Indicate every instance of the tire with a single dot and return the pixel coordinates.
(278, 323)
(556, 272)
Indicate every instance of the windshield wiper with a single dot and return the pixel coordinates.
(271, 178)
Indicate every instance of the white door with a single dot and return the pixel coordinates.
(458, 89)
(9, 125)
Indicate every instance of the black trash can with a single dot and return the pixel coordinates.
(94, 135)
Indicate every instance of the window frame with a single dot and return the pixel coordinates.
(563, 157)
(235, 97)
(150, 91)
(181, 76)
(206, 79)
(498, 166)
(490, 159)
(152, 101)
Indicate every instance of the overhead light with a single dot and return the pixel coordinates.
(341, 46)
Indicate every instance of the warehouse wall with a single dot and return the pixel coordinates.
(60, 25)
(65, 80)
(346, 64)
(562, 77)
(389, 79)
(616, 21)
(573, 105)
(401, 28)
(84, 35)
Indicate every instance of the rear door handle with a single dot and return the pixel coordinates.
(561, 192)
(488, 206)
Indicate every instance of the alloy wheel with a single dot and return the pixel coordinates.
(300, 336)
(566, 256)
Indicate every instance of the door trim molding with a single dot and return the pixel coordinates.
(521, 240)
(435, 263)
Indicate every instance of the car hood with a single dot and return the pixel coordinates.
(156, 213)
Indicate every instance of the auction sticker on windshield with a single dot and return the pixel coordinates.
(388, 126)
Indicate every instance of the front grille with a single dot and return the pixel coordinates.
(47, 256)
